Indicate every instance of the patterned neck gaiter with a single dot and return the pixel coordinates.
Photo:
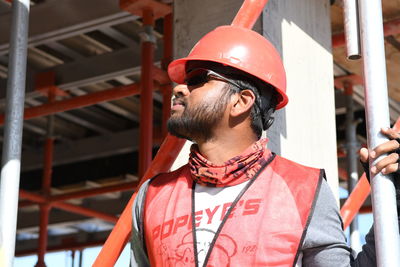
(237, 170)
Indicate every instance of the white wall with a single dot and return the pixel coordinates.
(305, 129)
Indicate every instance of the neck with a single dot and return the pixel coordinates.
(223, 147)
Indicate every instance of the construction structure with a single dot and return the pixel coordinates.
(97, 99)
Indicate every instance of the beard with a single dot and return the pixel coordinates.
(197, 123)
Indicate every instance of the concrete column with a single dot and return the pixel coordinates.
(300, 29)
(305, 130)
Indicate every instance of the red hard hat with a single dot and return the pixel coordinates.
(242, 49)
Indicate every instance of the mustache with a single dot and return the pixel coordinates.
(178, 101)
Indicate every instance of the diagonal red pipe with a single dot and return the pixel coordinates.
(169, 150)
(249, 13)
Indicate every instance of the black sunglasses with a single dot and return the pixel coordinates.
(200, 76)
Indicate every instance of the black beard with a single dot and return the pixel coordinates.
(197, 123)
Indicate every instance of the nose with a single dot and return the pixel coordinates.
(181, 90)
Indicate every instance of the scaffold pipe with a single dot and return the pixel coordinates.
(249, 13)
(146, 93)
(386, 228)
(11, 159)
(351, 29)
(351, 159)
(79, 101)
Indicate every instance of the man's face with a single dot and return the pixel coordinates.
(197, 109)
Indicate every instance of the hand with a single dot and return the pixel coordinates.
(390, 163)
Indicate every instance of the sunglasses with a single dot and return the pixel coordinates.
(201, 76)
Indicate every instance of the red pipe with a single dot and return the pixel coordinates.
(84, 193)
(85, 211)
(68, 207)
(44, 220)
(355, 201)
(94, 191)
(146, 99)
(249, 13)
(79, 102)
(47, 166)
(32, 197)
(45, 208)
(166, 108)
(391, 27)
(167, 58)
(119, 236)
(358, 195)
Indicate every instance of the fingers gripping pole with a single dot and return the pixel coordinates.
(358, 196)
(387, 241)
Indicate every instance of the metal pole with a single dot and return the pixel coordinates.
(387, 241)
(146, 95)
(46, 188)
(80, 258)
(352, 146)
(351, 29)
(167, 57)
(11, 160)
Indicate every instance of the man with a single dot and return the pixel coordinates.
(236, 203)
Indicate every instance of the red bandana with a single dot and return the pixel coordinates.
(234, 171)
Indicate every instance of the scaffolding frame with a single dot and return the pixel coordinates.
(171, 146)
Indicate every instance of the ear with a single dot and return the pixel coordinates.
(242, 103)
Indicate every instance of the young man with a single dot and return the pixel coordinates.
(236, 203)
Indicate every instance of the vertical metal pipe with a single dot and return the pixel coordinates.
(167, 57)
(146, 95)
(80, 258)
(352, 146)
(387, 241)
(46, 187)
(166, 108)
(11, 160)
(351, 29)
(44, 220)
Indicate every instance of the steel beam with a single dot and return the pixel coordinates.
(78, 17)
(88, 149)
(68, 207)
(79, 102)
(146, 94)
(125, 62)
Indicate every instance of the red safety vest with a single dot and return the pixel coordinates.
(264, 226)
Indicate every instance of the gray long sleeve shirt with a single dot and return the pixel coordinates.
(324, 244)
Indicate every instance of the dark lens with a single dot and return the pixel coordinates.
(196, 77)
